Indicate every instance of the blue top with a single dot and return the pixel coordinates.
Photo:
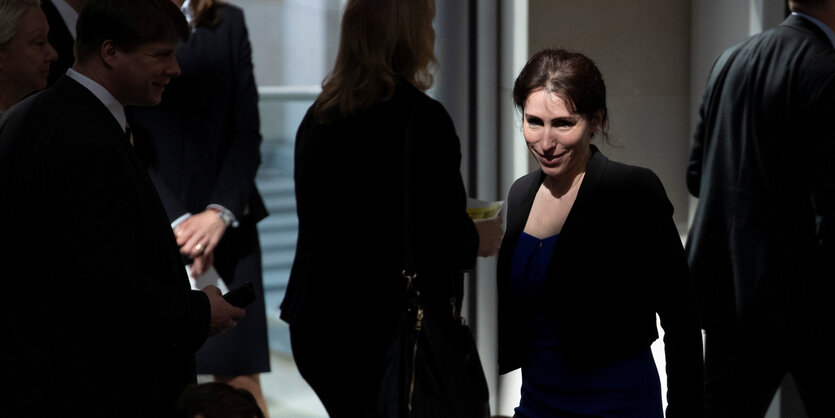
(551, 386)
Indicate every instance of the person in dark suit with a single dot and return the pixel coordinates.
(590, 255)
(345, 291)
(201, 146)
(62, 16)
(106, 324)
(760, 247)
(25, 53)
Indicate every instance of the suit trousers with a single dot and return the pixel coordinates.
(743, 370)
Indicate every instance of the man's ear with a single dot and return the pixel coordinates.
(109, 52)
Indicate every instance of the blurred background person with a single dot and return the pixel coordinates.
(25, 52)
(346, 291)
(761, 246)
(201, 146)
(591, 254)
(62, 16)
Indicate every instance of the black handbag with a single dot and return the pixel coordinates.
(432, 367)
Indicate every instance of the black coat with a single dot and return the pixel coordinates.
(349, 192)
(761, 164)
(100, 317)
(618, 261)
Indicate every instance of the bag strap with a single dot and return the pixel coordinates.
(409, 269)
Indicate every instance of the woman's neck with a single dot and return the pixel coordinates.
(571, 179)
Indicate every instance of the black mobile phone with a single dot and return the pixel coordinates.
(241, 296)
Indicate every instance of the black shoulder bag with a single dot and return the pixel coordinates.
(432, 367)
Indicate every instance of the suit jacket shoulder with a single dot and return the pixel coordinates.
(760, 163)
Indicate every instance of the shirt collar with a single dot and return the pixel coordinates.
(826, 29)
(68, 15)
(101, 93)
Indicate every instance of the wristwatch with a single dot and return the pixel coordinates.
(224, 214)
(226, 217)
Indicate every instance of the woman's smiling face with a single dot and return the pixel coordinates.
(557, 138)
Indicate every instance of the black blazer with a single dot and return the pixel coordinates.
(201, 144)
(101, 319)
(618, 261)
(761, 164)
(61, 39)
(349, 197)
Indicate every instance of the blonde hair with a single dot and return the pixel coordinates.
(205, 12)
(380, 41)
(10, 13)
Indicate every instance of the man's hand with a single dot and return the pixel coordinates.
(224, 315)
(200, 233)
(489, 236)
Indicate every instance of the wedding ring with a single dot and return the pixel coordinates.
(198, 247)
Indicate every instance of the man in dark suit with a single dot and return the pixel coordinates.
(201, 145)
(760, 248)
(61, 16)
(100, 319)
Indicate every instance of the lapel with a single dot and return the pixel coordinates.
(529, 185)
(578, 233)
(582, 205)
(575, 231)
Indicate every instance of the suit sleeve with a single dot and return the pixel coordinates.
(823, 172)
(694, 164)
(675, 304)
(236, 179)
(697, 149)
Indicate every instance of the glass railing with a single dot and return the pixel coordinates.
(281, 110)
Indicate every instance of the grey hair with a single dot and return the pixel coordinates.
(10, 14)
